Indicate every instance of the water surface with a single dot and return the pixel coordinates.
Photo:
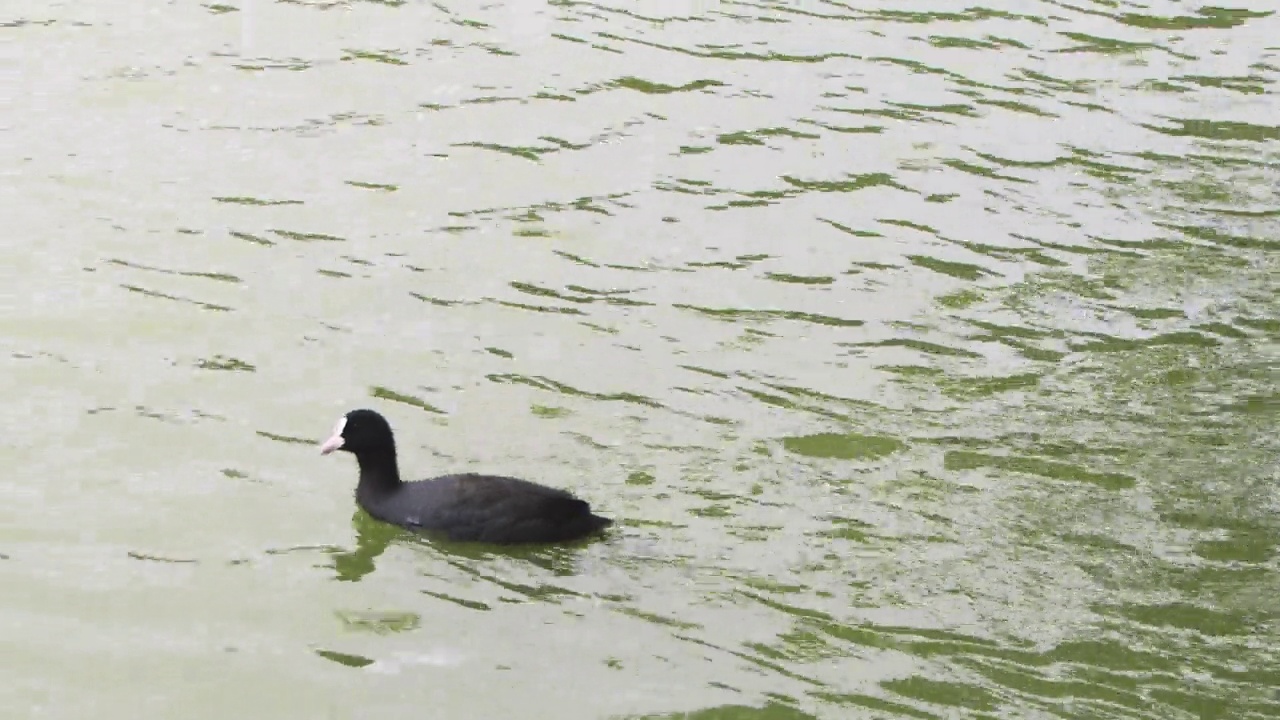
(927, 356)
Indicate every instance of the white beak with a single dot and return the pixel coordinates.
(331, 444)
(335, 442)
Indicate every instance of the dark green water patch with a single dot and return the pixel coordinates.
(220, 362)
(1184, 616)
(843, 446)
(460, 602)
(383, 393)
(800, 279)
(944, 692)
(1218, 130)
(963, 271)
(379, 623)
(928, 348)
(249, 237)
(384, 57)
(882, 707)
(176, 298)
(354, 661)
(770, 711)
(757, 137)
(544, 383)
(286, 438)
(857, 182)
(1107, 344)
(244, 200)
(733, 315)
(1206, 17)
(973, 388)
(223, 277)
(957, 460)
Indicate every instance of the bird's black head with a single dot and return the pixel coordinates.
(360, 432)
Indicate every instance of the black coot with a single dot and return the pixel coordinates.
(470, 507)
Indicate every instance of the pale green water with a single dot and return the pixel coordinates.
(927, 356)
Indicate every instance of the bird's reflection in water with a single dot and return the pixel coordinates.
(373, 537)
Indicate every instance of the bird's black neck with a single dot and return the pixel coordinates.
(379, 472)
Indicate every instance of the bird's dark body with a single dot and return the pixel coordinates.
(484, 508)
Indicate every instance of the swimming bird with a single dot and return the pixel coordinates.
(464, 507)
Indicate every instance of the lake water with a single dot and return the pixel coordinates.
(927, 355)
